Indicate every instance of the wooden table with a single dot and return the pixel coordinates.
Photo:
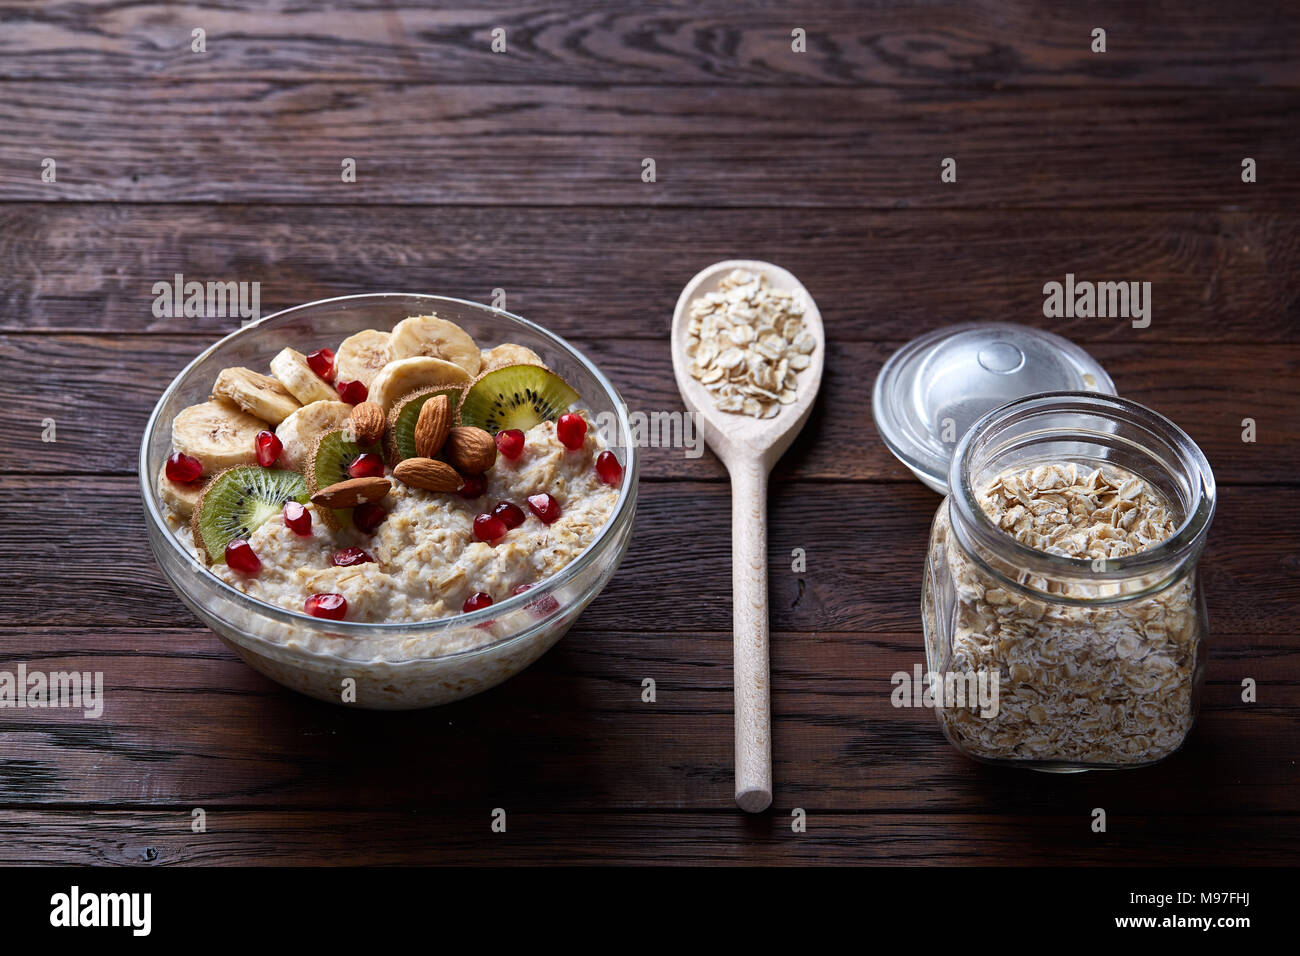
(522, 171)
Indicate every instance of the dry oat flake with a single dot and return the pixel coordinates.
(1086, 684)
(747, 344)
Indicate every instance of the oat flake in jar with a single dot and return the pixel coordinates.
(1064, 560)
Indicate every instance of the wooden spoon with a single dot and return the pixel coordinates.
(749, 447)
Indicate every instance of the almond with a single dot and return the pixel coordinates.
(350, 493)
(471, 450)
(428, 474)
(367, 420)
(432, 426)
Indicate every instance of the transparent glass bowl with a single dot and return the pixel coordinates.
(395, 671)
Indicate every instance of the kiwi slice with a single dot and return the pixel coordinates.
(238, 501)
(515, 396)
(328, 465)
(399, 439)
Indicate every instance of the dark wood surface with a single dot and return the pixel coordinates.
(522, 171)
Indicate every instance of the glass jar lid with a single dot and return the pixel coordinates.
(935, 387)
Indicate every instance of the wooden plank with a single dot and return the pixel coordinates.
(1009, 43)
(186, 723)
(865, 546)
(1222, 276)
(1049, 837)
(1208, 390)
(752, 141)
(786, 147)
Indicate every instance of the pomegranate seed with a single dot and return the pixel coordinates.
(354, 392)
(322, 363)
(474, 487)
(543, 606)
(490, 529)
(512, 515)
(571, 429)
(610, 471)
(348, 557)
(331, 606)
(545, 507)
(368, 465)
(268, 448)
(298, 518)
(183, 468)
(477, 601)
(510, 443)
(367, 517)
(240, 556)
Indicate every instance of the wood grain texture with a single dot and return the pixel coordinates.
(708, 42)
(521, 171)
(186, 724)
(865, 546)
(1048, 837)
(1207, 389)
(731, 147)
(1216, 277)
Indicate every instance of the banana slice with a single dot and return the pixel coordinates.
(181, 498)
(218, 434)
(435, 337)
(298, 432)
(361, 356)
(257, 394)
(408, 374)
(291, 368)
(509, 354)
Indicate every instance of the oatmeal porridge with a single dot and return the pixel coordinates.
(407, 476)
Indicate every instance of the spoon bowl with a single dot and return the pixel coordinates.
(731, 434)
(749, 447)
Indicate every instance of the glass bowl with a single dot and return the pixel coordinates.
(397, 665)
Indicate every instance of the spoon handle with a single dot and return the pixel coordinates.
(749, 609)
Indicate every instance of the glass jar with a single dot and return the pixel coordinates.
(1054, 641)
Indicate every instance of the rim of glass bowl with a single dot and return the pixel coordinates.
(618, 517)
(1174, 550)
